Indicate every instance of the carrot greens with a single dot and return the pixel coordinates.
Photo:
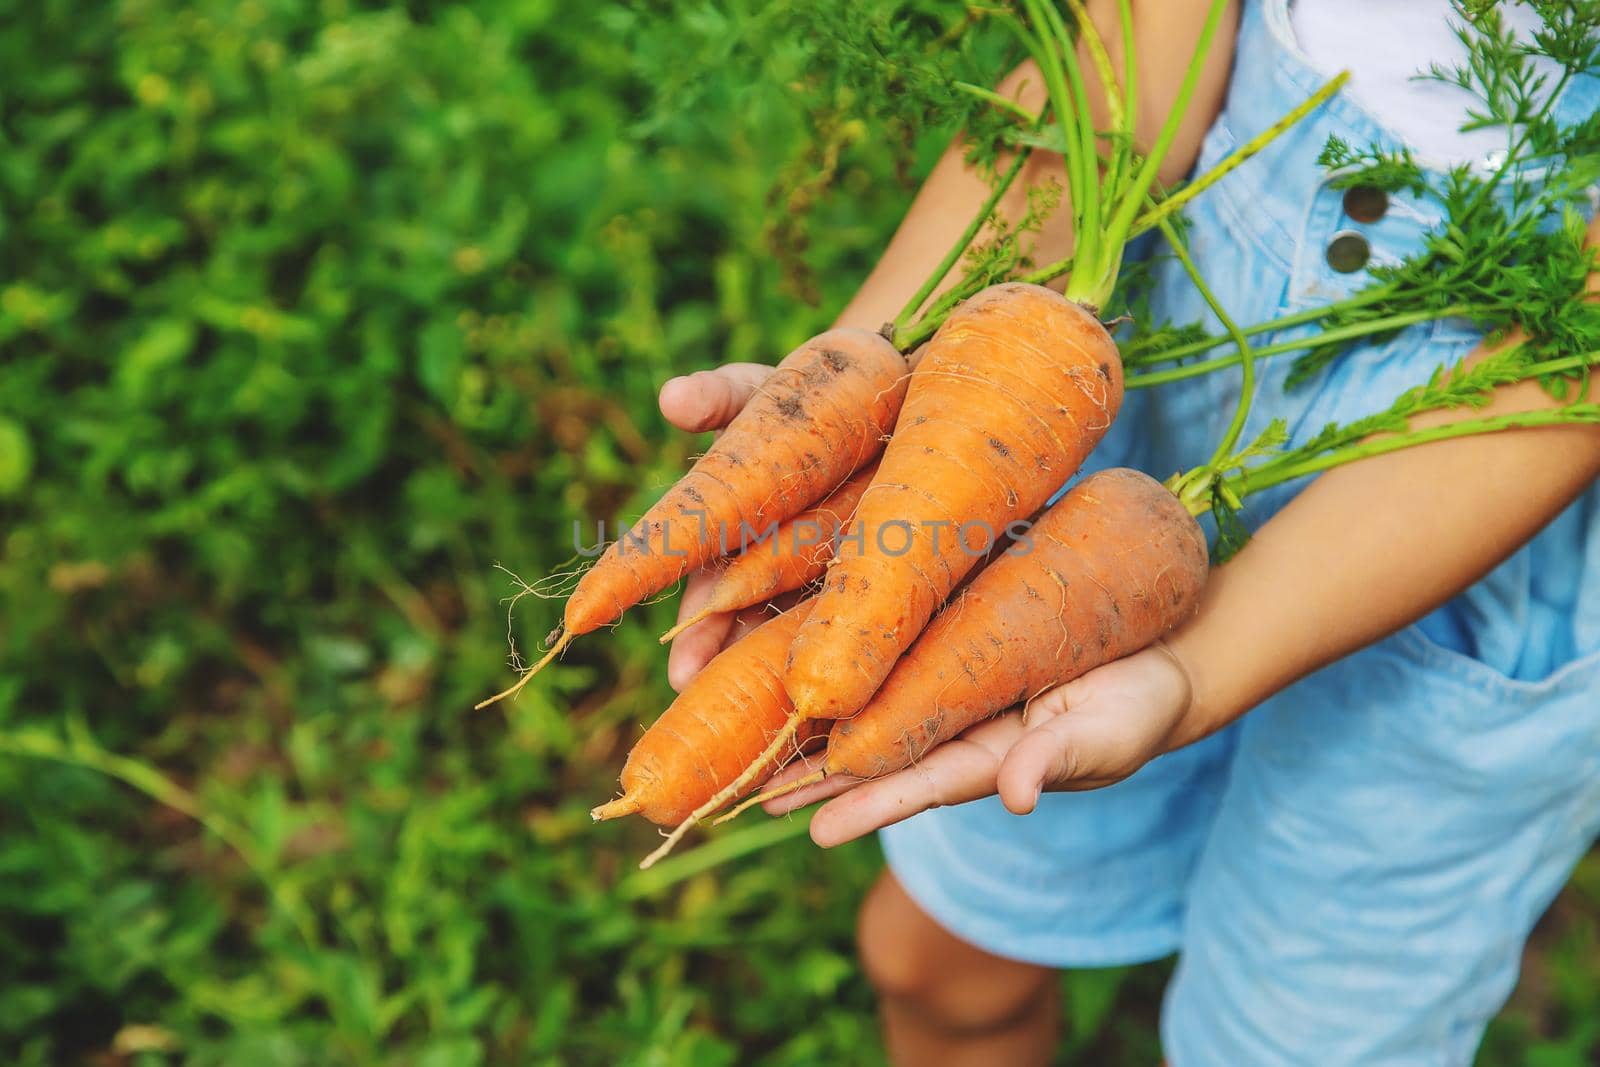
(1509, 250)
(1110, 186)
(1222, 485)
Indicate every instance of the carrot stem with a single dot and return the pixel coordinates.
(1116, 112)
(957, 250)
(1171, 354)
(1095, 289)
(1247, 363)
(527, 675)
(1004, 103)
(1169, 205)
(1130, 75)
(1086, 205)
(909, 332)
(1290, 468)
(1297, 344)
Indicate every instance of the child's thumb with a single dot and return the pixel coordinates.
(1082, 735)
(709, 399)
(1046, 754)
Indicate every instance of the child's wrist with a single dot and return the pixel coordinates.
(1197, 718)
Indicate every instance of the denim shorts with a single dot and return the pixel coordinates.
(1350, 871)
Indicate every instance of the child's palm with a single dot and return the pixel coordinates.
(1086, 734)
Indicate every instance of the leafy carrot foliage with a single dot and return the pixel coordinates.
(309, 314)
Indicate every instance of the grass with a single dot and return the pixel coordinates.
(312, 313)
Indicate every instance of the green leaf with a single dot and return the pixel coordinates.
(439, 360)
(16, 457)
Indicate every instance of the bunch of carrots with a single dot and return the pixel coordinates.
(910, 504)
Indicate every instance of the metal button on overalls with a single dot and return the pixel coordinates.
(1365, 203)
(1348, 252)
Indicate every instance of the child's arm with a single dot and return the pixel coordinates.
(1376, 546)
(1165, 33)
(1363, 551)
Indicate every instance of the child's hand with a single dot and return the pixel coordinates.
(706, 400)
(1086, 734)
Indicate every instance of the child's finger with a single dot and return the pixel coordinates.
(1045, 753)
(1094, 731)
(1065, 748)
(957, 771)
(830, 786)
(709, 399)
(693, 648)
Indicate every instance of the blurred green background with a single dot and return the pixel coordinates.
(310, 313)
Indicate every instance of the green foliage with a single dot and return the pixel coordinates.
(1496, 267)
(1521, 265)
(1391, 170)
(873, 75)
(1552, 1019)
(1502, 72)
(1509, 251)
(309, 314)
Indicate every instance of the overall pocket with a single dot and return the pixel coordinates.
(1479, 731)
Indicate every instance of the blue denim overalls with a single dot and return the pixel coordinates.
(1351, 870)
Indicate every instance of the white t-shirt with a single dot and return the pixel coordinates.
(1384, 44)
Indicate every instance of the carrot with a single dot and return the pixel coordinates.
(712, 731)
(752, 480)
(1014, 391)
(796, 555)
(822, 414)
(1112, 566)
(1011, 395)
(1115, 564)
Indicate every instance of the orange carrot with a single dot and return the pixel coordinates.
(1014, 391)
(1008, 399)
(710, 733)
(793, 557)
(823, 413)
(1113, 565)
(713, 733)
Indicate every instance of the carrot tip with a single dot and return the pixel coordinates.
(772, 794)
(669, 844)
(733, 812)
(684, 625)
(729, 792)
(616, 809)
(527, 675)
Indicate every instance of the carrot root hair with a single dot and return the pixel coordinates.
(616, 809)
(704, 613)
(783, 737)
(527, 675)
(772, 794)
(553, 586)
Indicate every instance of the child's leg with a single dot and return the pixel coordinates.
(944, 1001)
